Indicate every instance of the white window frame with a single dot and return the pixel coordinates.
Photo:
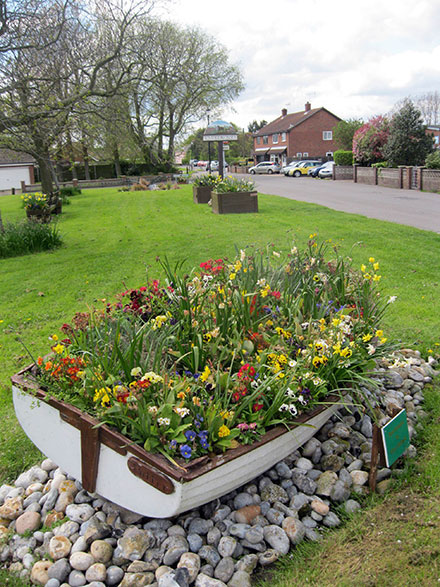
(258, 140)
(327, 135)
(283, 137)
(265, 139)
(305, 154)
(299, 155)
(275, 138)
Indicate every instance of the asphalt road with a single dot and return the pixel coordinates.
(410, 207)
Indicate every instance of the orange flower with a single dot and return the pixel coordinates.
(49, 365)
(40, 361)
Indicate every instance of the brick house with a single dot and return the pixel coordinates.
(301, 135)
(434, 131)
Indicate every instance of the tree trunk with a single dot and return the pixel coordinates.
(86, 161)
(117, 160)
(45, 175)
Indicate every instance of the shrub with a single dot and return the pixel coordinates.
(343, 157)
(206, 180)
(432, 161)
(69, 191)
(28, 236)
(380, 164)
(231, 184)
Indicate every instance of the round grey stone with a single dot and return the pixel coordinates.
(277, 538)
(226, 546)
(225, 569)
(331, 520)
(195, 542)
(53, 583)
(59, 570)
(79, 512)
(200, 526)
(210, 555)
(77, 579)
(243, 499)
(351, 506)
(114, 575)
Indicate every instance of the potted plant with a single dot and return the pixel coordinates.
(234, 196)
(203, 186)
(186, 390)
(37, 206)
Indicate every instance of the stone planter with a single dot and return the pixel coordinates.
(201, 194)
(234, 202)
(107, 462)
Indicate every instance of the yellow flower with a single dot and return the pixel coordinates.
(59, 348)
(379, 333)
(346, 352)
(372, 259)
(367, 276)
(383, 340)
(232, 276)
(54, 337)
(316, 361)
(376, 266)
(206, 373)
(223, 431)
(367, 337)
(363, 268)
(336, 321)
(377, 277)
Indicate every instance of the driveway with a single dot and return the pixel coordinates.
(410, 207)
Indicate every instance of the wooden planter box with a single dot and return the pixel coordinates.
(201, 194)
(109, 464)
(41, 214)
(234, 202)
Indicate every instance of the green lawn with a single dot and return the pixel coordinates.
(112, 238)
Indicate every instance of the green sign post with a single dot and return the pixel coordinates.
(395, 438)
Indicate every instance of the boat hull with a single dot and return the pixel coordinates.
(125, 474)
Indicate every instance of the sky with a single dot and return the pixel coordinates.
(357, 58)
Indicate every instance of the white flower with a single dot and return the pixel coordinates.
(292, 363)
(163, 421)
(371, 349)
(261, 282)
(135, 371)
(276, 254)
(292, 409)
(293, 250)
(242, 255)
(391, 299)
(182, 412)
(153, 410)
(302, 400)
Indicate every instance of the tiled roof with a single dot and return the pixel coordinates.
(285, 123)
(14, 157)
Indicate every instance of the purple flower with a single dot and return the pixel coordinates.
(204, 442)
(190, 435)
(185, 451)
(172, 444)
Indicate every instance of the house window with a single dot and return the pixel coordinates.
(275, 138)
(258, 140)
(305, 154)
(265, 140)
(299, 155)
(327, 135)
(283, 136)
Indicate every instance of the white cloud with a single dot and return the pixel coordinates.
(355, 58)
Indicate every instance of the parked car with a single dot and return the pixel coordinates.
(214, 166)
(327, 170)
(290, 166)
(303, 168)
(313, 171)
(265, 167)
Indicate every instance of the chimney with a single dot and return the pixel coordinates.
(307, 107)
(284, 112)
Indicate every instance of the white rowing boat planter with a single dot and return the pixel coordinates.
(108, 463)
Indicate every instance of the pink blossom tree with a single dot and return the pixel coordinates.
(370, 139)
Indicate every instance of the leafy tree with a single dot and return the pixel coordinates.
(433, 160)
(344, 131)
(408, 143)
(369, 140)
(255, 126)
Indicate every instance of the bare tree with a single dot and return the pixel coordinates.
(429, 106)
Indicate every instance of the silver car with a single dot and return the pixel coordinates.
(265, 167)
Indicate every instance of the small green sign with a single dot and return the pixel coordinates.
(395, 437)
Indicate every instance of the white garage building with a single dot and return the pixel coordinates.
(15, 167)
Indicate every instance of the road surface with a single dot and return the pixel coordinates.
(410, 207)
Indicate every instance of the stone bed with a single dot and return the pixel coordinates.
(54, 532)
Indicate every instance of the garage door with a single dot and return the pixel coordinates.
(11, 177)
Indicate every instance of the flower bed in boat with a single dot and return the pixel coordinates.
(213, 359)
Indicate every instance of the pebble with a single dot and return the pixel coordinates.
(277, 538)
